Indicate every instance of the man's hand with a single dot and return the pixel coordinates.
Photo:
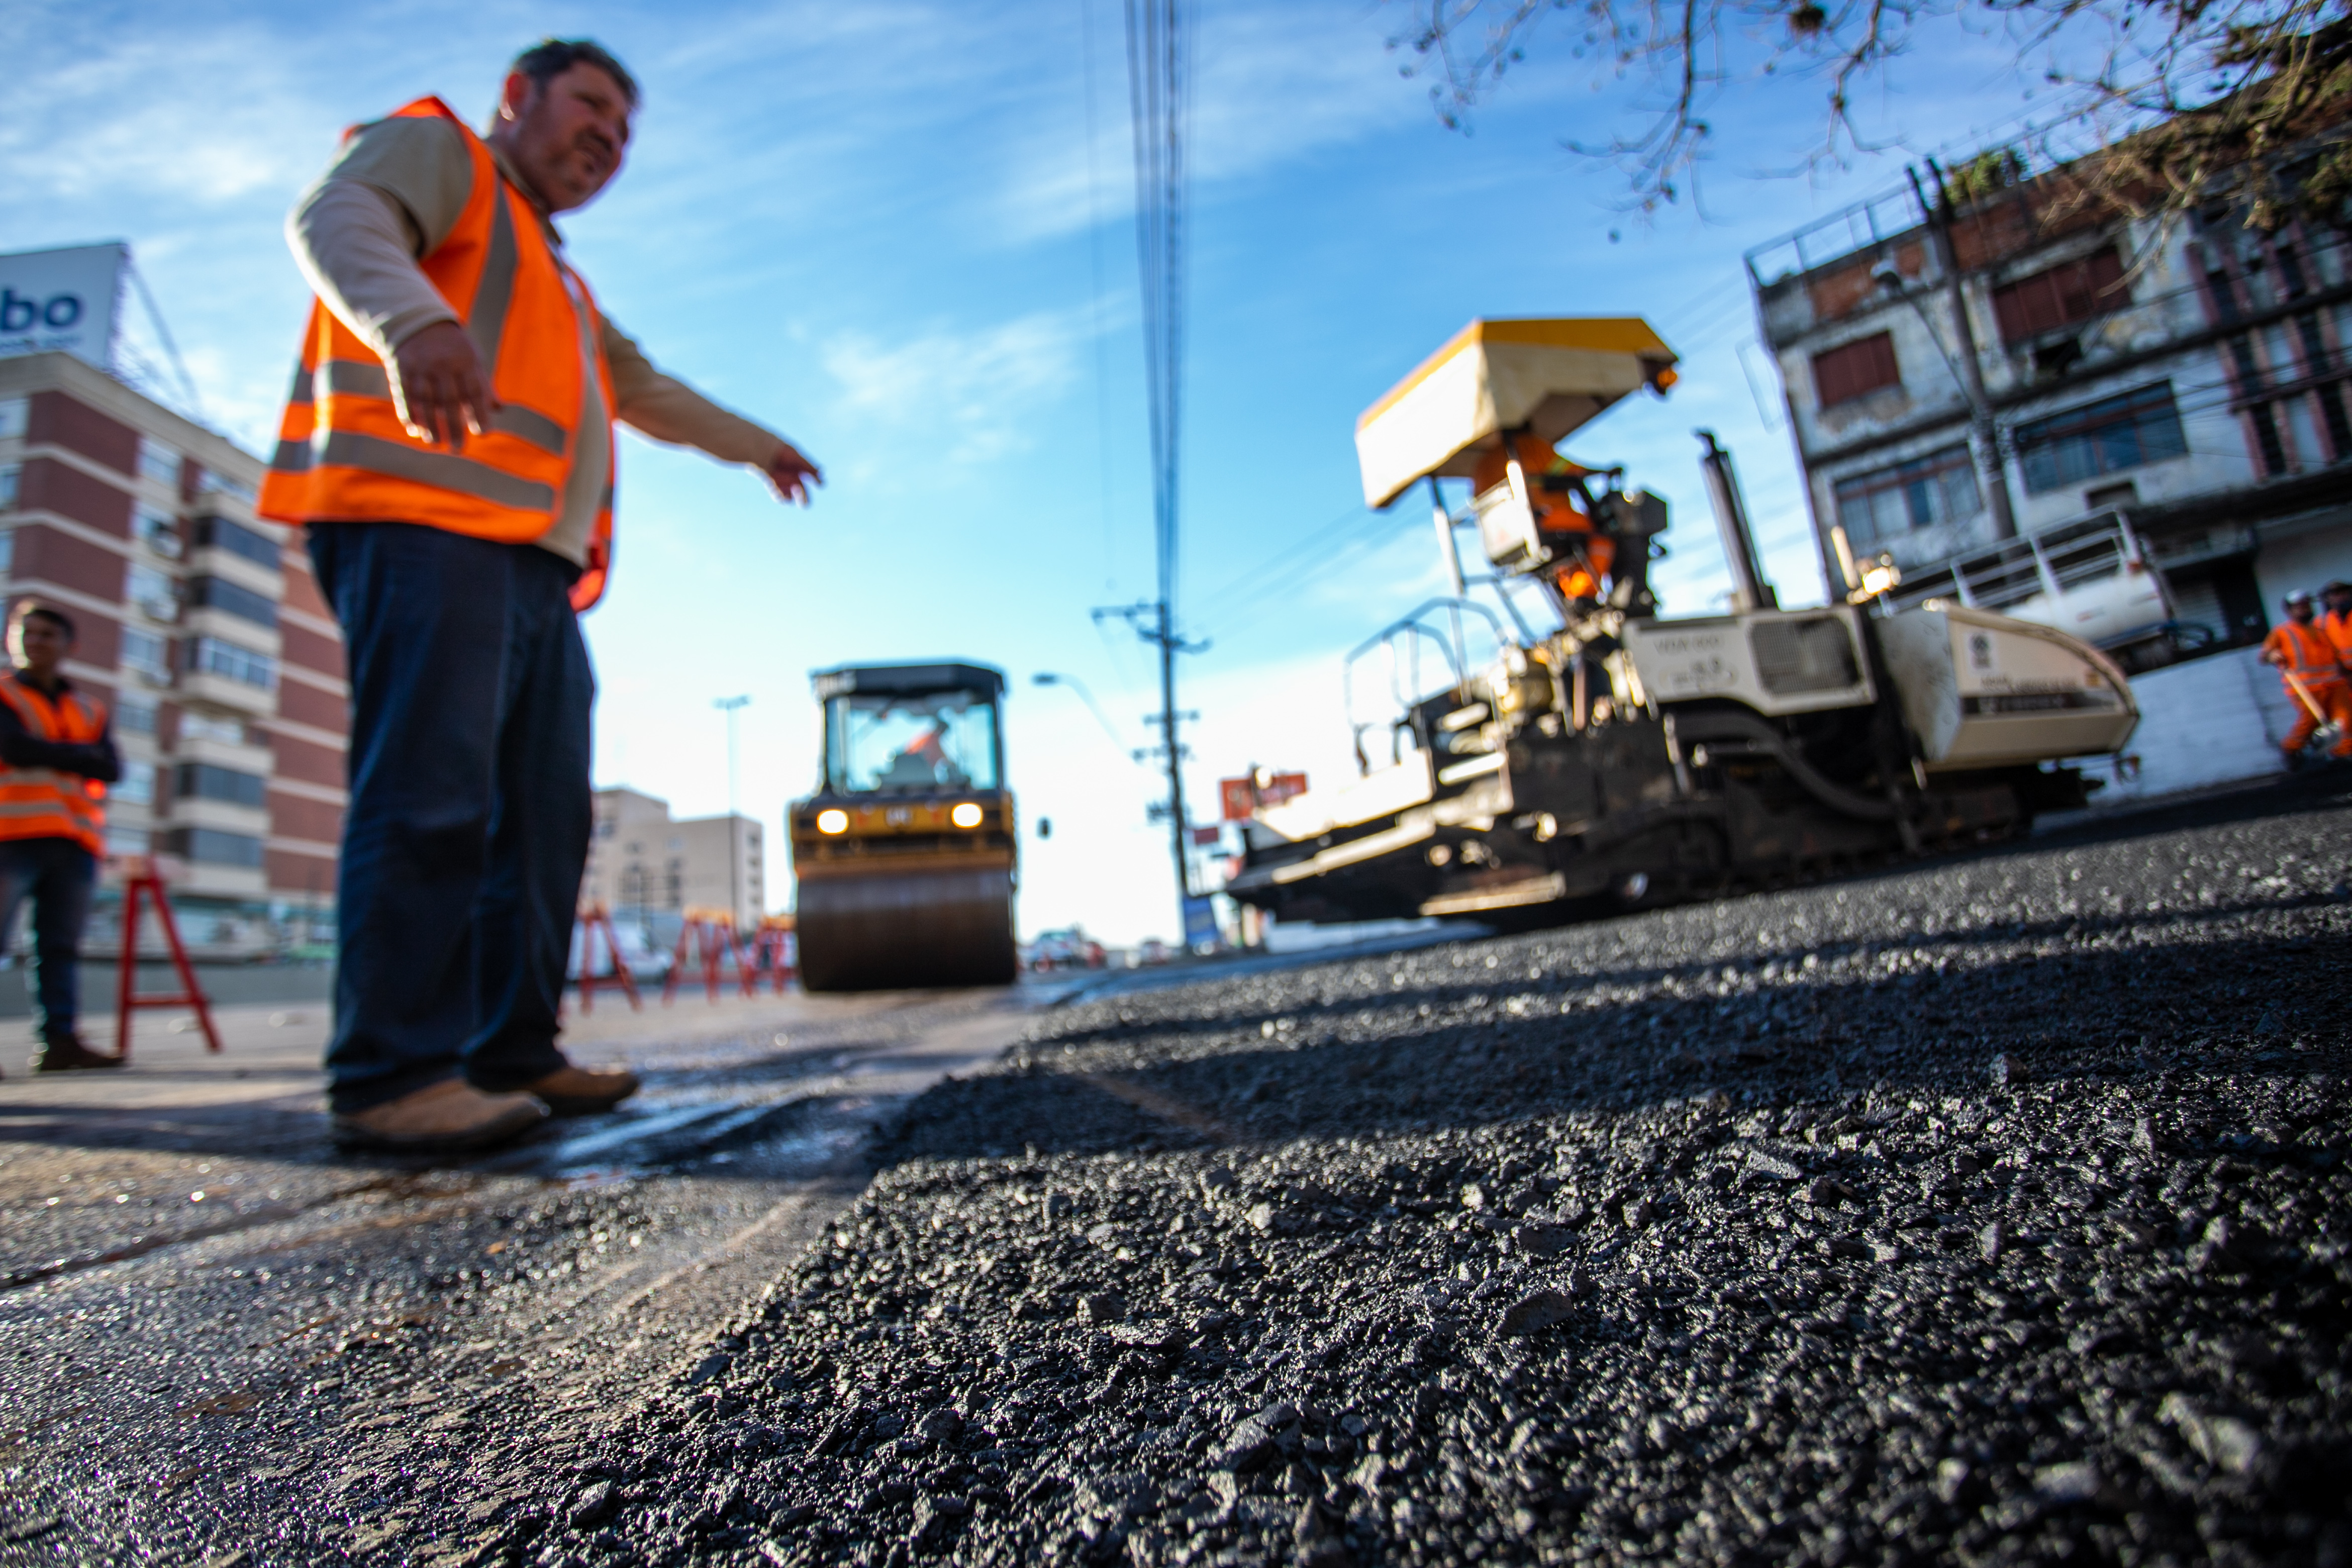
(438, 386)
(792, 475)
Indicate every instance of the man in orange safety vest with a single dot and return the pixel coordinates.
(58, 757)
(447, 444)
(2316, 676)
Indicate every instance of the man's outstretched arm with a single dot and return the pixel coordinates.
(662, 406)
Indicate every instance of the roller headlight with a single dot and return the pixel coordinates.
(832, 820)
(967, 813)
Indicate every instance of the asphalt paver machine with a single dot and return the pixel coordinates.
(1604, 758)
(906, 857)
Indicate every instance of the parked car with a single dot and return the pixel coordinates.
(1070, 948)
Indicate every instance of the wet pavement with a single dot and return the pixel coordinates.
(198, 1293)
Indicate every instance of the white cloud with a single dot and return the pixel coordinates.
(974, 393)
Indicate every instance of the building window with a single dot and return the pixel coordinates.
(211, 847)
(1940, 487)
(152, 592)
(144, 653)
(126, 841)
(11, 475)
(2061, 296)
(16, 413)
(250, 543)
(217, 656)
(1855, 369)
(158, 530)
(135, 715)
(137, 784)
(220, 594)
(159, 462)
(2102, 437)
(8, 550)
(202, 781)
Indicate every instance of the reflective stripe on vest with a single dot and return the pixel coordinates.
(2311, 657)
(45, 803)
(344, 455)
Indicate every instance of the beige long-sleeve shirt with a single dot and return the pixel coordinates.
(389, 197)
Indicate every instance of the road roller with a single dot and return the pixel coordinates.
(1552, 747)
(906, 857)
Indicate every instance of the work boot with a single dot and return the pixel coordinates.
(444, 1118)
(583, 1092)
(66, 1053)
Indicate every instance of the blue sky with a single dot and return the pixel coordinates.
(886, 229)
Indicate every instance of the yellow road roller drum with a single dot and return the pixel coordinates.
(906, 857)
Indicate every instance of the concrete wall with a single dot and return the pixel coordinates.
(2214, 720)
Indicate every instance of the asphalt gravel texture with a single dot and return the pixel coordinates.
(1990, 1210)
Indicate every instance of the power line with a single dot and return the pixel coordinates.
(1159, 108)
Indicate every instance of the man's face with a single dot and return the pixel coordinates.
(2339, 604)
(38, 643)
(2300, 611)
(565, 138)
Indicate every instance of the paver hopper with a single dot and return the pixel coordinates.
(906, 857)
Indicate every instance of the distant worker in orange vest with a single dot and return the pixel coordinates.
(449, 445)
(59, 757)
(2316, 675)
(2336, 619)
(1559, 510)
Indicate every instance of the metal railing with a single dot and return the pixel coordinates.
(1402, 639)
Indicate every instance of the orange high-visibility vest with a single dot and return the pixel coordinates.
(343, 455)
(1555, 513)
(2338, 628)
(45, 803)
(2310, 655)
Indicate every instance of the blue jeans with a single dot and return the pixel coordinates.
(58, 875)
(467, 827)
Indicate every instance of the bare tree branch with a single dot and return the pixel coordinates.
(2186, 95)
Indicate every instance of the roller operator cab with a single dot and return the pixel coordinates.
(905, 858)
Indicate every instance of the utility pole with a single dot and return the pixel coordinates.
(1972, 384)
(1153, 621)
(731, 706)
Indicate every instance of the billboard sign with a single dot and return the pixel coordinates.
(62, 300)
(1241, 797)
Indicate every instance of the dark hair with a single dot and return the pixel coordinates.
(551, 57)
(56, 619)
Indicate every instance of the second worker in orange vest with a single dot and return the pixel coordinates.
(2314, 674)
(449, 445)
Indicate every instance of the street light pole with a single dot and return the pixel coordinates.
(731, 706)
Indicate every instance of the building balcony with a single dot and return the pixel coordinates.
(220, 815)
(244, 759)
(203, 620)
(212, 560)
(220, 692)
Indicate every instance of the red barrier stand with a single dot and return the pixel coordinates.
(139, 878)
(771, 950)
(596, 918)
(711, 936)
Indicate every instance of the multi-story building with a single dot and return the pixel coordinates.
(642, 866)
(202, 626)
(2167, 405)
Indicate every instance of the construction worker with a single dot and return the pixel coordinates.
(449, 445)
(2317, 680)
(2335, 620)
(1560, 512)
(60, 756)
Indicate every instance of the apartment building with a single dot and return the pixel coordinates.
(2167, 403)
(204, 630)
(644, 866)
